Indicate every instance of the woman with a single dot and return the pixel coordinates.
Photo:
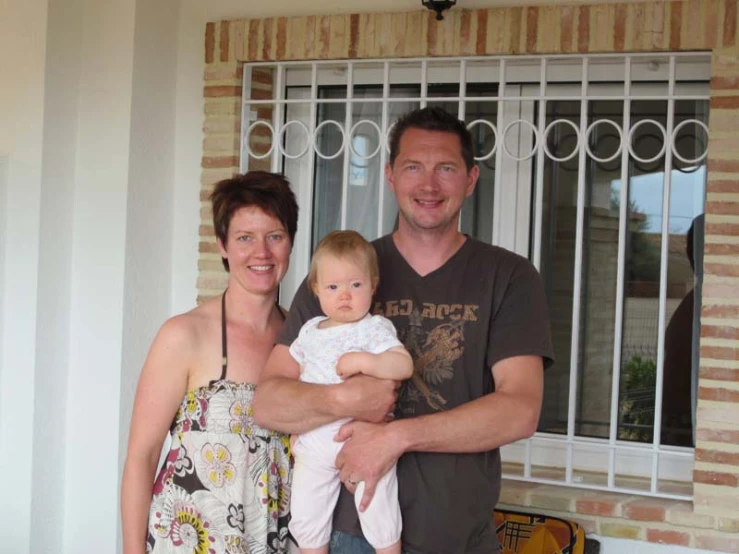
(225, 484)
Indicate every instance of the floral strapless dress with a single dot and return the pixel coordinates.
(225, 486)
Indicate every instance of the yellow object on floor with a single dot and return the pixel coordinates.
(520, 533)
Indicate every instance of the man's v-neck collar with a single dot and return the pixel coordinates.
(393, 249)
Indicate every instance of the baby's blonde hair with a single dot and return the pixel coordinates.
(345, 245)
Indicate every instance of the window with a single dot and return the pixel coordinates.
(592, 167)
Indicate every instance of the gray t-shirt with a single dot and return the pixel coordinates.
(483, 305)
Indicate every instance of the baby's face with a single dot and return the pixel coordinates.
(344, 289)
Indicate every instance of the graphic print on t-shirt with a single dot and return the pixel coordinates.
(434, 335)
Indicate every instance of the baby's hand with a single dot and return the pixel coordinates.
(353, 363)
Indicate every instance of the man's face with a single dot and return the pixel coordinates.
(430, 180)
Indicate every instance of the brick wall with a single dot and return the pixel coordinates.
(713, 521)
(221, 149)
(625, 516)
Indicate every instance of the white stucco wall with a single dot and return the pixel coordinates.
(54, 274)
(150, 210)
(87, 134)
(22, 54)
(98, 269)
(122, 244)
(188, 102)
(3, 233)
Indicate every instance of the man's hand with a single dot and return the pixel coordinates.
(353, 363)
(367, 398)
(369, 452)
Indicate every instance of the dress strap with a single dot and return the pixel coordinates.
(224, 345)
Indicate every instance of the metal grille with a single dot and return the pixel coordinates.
(555, 135)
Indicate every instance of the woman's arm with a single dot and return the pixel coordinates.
(162, 386)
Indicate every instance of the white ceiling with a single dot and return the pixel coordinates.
(228, 9)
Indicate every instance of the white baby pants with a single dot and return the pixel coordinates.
(315, 490)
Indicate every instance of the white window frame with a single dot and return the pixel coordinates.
(633, 459)
(512, 206)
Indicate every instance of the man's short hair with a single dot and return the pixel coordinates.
(348, 245)
(432, 119)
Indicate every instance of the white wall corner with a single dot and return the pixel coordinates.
(22, 56)
(62, 76)
(150, 206)
(3, 233)
(189, 105)
(102, 159)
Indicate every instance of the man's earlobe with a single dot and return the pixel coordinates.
(389, 174)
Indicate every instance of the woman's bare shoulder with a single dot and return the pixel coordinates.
(186, 329)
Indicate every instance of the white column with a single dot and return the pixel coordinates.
(22, 60)
(189, 106)
(54, 273)
(121, 269)
(87, 142)
(148, 274)
(93, 446)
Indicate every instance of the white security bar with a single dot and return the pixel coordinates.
(521, 88)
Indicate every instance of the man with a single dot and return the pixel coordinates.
(474, 318)
(680, 388)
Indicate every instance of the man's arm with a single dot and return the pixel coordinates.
(284, 403)
(504, 416)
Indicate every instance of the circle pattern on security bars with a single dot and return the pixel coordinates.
(673, 144)
(549, 128)
(533, 149)
(254, 125)
(589, 132)
(308, 140)
(495, 134)
(311, 140)
(387, 137)
(315, 141)
(631, 141)
(351, 139)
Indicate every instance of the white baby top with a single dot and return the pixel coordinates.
(318, 350)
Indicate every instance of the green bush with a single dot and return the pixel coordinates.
(636, 405)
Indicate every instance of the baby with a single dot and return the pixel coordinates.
(344, 276)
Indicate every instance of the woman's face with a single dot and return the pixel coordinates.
(257, 249)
